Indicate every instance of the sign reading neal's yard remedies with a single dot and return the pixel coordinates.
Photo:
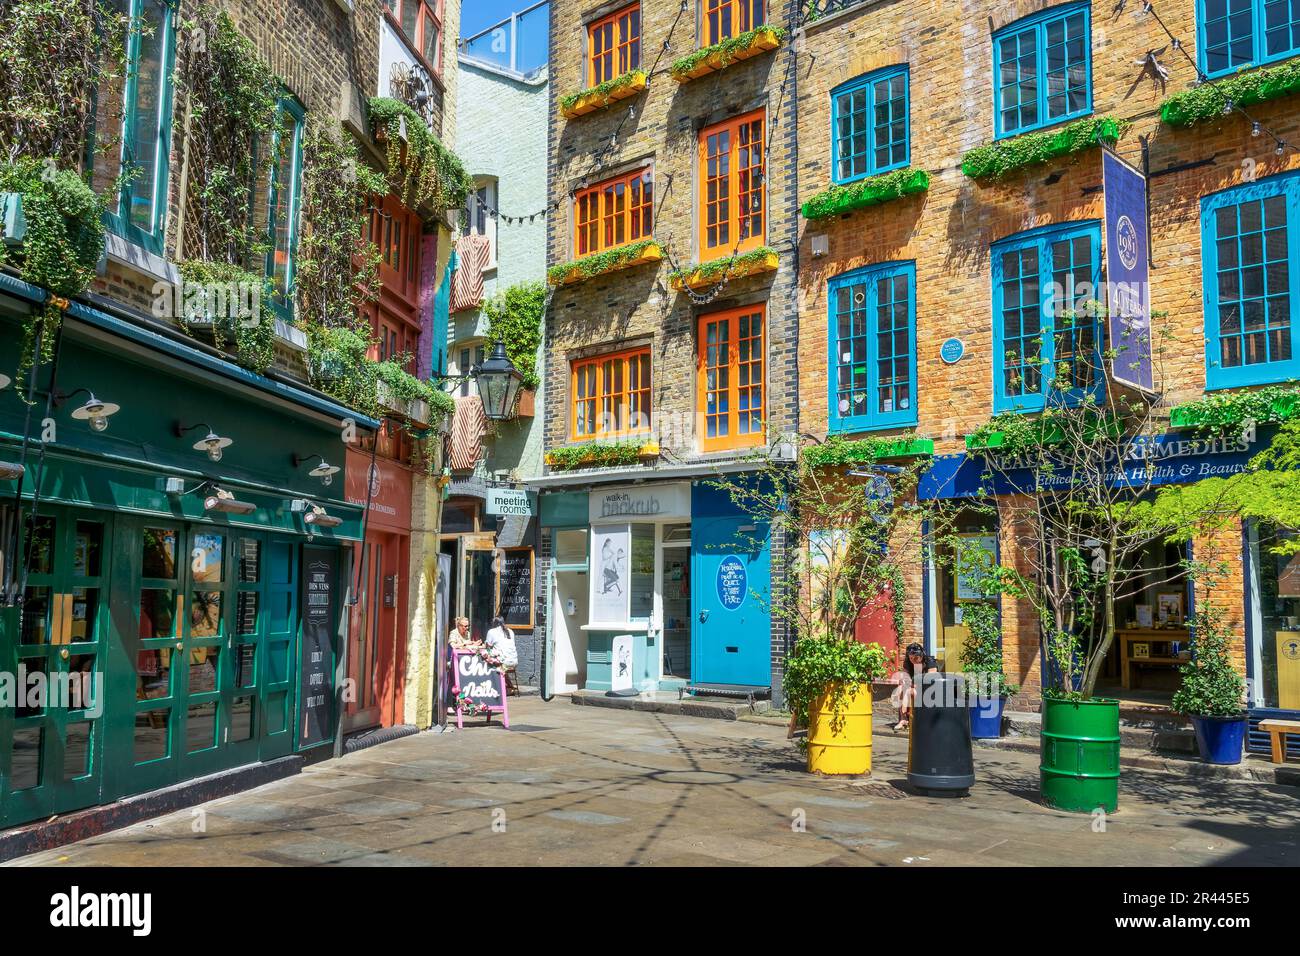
(1128, 279)
(733, 582)
(316, 664)
(478, 687)
(509, 502)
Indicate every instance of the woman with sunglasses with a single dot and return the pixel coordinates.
(916, 662)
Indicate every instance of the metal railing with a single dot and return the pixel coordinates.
(519, 42)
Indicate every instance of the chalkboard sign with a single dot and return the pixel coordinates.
(515, 587)
(316, 660)
(477, 687)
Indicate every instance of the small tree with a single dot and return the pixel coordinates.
(1211, 686)
(846, 524)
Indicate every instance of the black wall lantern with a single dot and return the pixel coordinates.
(498, 384)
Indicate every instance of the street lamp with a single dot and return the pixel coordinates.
(498, 384)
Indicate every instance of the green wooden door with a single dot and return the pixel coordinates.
(52, 739)
(208, 626)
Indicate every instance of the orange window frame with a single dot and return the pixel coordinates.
(614, 45)
(614, 213)
(731, 393)
(732, 177)
(724, 19)
(610, 395)
(427, 13)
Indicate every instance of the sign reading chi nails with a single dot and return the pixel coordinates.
(733, 582)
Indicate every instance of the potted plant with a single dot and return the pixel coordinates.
(828, 686)
(1212, 690)
(981, 662)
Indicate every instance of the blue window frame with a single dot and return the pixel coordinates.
(1231, 34)
(283, 196)
(872, 341)
(140, 213)
(1042, 70)
(1250, 268)
(1046, 330)
(869, 124)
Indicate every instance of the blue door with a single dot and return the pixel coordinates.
(731, 635)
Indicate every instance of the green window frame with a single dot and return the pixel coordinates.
(140, 213)
(282, 209)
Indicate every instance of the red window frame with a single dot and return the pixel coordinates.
(617, 212)
(414, 18)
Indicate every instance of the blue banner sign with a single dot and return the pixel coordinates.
(1147, 461)
(1128, 272)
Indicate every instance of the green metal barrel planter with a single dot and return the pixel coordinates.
(1079, 768)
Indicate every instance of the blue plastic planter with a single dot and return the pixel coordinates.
(1220, 739)
(986, 717)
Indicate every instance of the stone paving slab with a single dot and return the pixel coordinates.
(609, 787)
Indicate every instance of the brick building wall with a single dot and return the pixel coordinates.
(948, 230)
(660, 129)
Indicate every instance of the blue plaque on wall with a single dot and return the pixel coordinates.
(952, 350)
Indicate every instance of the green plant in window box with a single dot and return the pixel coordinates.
(1206, 101)
(61, 248)
(1002, 157)
(871, 191)
(1227, 411)
(600, 263)
(603, 94)
(338, 364)
(719, 56)
(596, 454)
(839, 450)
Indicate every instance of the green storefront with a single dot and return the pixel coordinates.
(182, 610)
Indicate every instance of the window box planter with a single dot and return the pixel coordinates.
(415, 410)
(865, 193)
(843, 451)
(598, 97)
(601, 454)
(997, 159)
(1244, 89)
(1229, 410)
(1049, 433)
(527, 404)
(602, 263)
(737, 267)
(712, 59)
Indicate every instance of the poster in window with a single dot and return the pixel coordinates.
(969, 565)
(610, 574)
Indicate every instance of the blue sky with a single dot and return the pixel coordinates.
(476, 15)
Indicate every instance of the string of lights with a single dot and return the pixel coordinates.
(1229, 107)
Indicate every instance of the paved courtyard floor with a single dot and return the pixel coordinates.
(590, 786)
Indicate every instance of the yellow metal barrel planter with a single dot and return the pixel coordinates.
(839, 737)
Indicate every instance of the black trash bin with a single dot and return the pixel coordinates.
(939, 757)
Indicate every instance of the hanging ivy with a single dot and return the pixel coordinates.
(337, 267)
(338, 364)
(997, 159)
(515, 318)
(1242, 89)
(62, 245)
(422, 172)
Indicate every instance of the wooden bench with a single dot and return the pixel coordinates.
(1277, 731)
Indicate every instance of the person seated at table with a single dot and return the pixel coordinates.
(501, 641)
(916, 661)
(460, 635)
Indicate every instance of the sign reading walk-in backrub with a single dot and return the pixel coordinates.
(1128, 279)
(316, 664)
(733, 582)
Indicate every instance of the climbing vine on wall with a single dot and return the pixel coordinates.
(515, 318)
